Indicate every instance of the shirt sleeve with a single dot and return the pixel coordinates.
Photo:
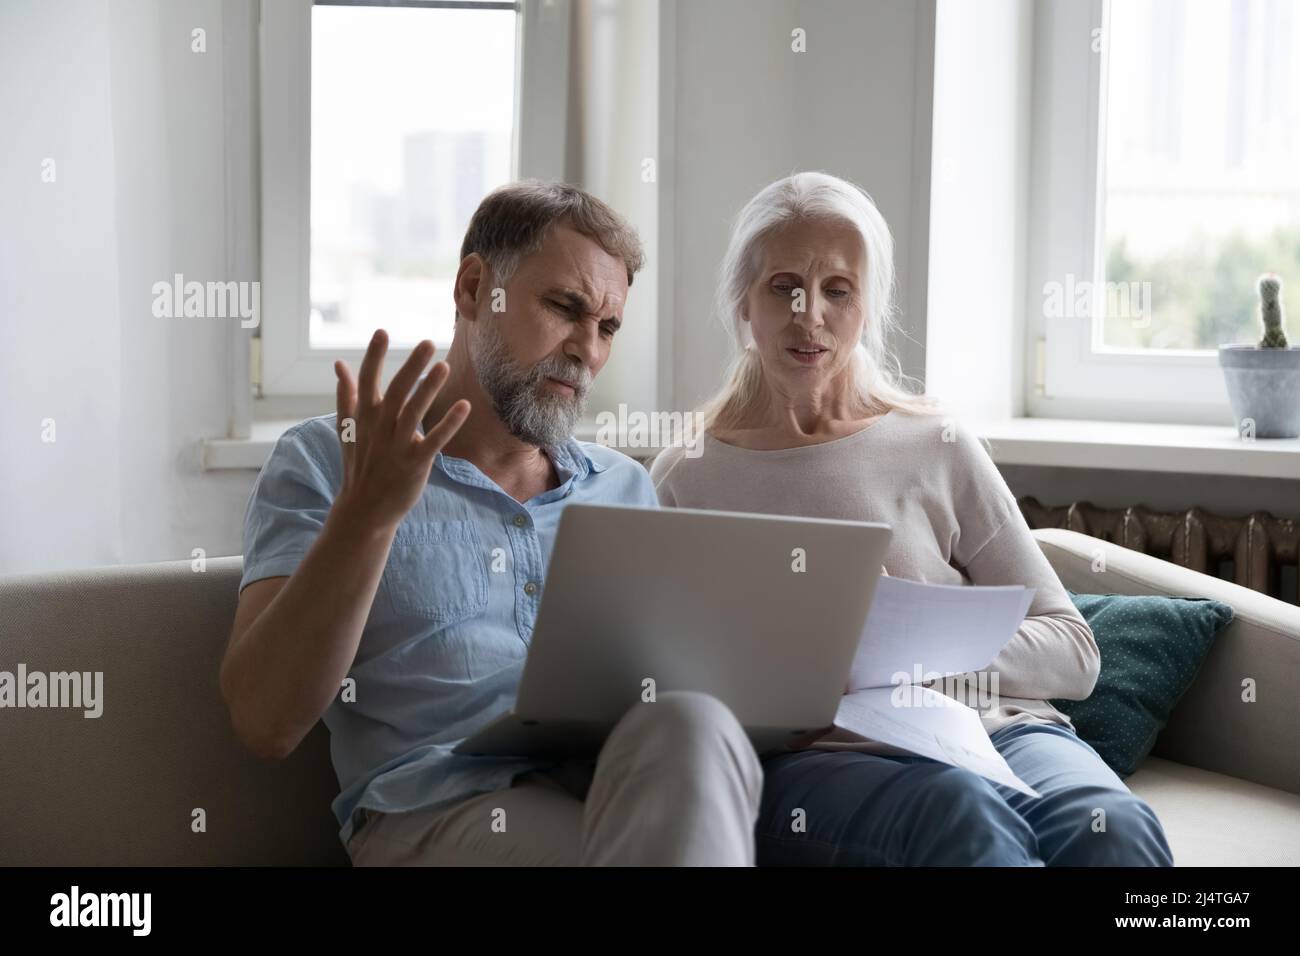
(1054, 653)
(286, 509)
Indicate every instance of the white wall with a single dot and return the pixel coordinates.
(749, 111)
(59, 330)
(133, 119)
(979, 196)
(172, 197)
(744, 110)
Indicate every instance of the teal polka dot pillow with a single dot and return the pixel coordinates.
(1151, 648)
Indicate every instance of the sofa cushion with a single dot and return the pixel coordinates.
(1212, 819)
(1151, 648)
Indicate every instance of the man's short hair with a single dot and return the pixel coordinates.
(513, 221)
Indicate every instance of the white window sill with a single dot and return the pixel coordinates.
(1140, 446)
(1066, 443)
(252, 452)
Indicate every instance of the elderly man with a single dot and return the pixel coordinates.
(393, 560)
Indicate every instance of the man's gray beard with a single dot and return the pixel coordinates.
(533, 414)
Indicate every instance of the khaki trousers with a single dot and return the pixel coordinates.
(677, 783)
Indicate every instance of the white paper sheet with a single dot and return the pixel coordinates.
(928, 629)
(929, 724)
(948, 629)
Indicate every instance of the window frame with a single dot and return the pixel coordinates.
(1068, 376)
(288, 365)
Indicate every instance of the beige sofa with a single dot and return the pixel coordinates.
(122, 789)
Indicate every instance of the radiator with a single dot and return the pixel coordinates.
(1257, 551)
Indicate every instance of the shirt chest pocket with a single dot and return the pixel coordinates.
(437, 572)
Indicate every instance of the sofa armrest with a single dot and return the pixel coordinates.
(1212, 727)
(120, 789)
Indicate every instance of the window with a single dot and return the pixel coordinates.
(1202, 168)
(1166, 179)
(400, 157)
(383, 124)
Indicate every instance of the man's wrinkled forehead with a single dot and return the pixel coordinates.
(587, 299)
(578, 270)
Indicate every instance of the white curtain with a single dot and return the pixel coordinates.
(614, 152)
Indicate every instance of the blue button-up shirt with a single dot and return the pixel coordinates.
(443, 649)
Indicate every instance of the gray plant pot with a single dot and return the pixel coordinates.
(1263, 386)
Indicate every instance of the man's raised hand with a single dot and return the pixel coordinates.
(386, 461)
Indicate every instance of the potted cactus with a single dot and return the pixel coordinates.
(1264, 380)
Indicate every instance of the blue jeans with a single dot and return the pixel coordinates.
(868, 810)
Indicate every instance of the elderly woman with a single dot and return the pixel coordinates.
(814, 420)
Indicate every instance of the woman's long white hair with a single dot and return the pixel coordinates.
(878, 379)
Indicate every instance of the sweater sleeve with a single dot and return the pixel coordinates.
(1054, 652)
(660, 470)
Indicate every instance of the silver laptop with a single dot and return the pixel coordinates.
(762, 612)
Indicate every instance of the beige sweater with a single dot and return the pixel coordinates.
(954, 519)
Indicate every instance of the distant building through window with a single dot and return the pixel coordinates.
(412, 123)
